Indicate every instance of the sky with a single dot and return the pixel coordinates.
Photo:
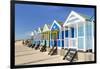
(29, 17)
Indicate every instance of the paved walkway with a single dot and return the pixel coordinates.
(28, 56)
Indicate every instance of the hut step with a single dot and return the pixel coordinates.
(70, 55)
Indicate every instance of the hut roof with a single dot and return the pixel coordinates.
(87, 18)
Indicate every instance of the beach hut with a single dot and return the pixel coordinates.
(32, 34)
(79, 35)
(32, 38)
(36, 37)
(46, 35)
(56, 36)
(39, 35)
(30, 41)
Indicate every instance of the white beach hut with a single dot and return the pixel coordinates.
(32, 37)
(79, 33)
(39, 34)
(35, 36)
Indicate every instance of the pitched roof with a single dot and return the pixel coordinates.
(87, 18)
(32, 33)
(46, 28)
(55, 22)
(61, 23)
(76, 17)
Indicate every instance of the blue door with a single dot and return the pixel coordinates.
(62, 39)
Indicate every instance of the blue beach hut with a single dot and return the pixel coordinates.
(56, 35)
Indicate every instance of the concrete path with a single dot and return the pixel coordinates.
(28, 56)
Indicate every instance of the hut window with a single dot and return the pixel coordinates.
(62, 34)
(72, 32)
(66, 33)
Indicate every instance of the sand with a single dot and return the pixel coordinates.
(28, 56)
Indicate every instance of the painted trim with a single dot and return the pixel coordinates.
(76, 14)
(55, 22)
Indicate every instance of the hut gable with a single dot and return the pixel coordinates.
(39, 30)
(55, 26)
(74, 18)
(32, 33)
(45, 28)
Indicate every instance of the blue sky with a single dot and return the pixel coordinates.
(30, 17)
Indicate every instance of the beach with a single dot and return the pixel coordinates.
(28, 56)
